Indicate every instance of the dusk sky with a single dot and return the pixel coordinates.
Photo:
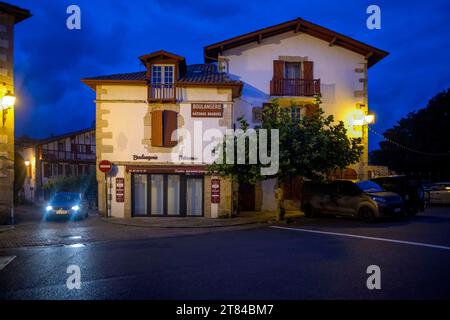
(50, 60)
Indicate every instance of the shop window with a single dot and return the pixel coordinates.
(164, 123)
(257, 115)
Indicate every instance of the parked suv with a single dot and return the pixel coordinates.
(364, 199)
(411, 191)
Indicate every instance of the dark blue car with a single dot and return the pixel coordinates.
(68, 205)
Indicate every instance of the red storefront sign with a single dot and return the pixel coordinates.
(167, 169)
(215, 191)
(120, 189)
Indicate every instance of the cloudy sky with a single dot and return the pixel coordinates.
(50, 60)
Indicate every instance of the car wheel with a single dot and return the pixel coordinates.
(309, 211)
(366, 215)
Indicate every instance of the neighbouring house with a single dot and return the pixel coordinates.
(380, 171)
(136, 113)
(66, 155)
(9, 16)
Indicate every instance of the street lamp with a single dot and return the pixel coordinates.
(362, 120)
(27, 163)
(7, 102)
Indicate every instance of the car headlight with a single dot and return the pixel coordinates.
(48, 208)
(378, 199)
(75, 208)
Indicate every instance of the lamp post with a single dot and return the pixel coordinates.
(7, 102)
(363, 120)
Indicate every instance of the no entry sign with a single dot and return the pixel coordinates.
(105, 166)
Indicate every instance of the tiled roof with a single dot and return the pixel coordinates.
(196, 73)
(141, 75)
(206, 73)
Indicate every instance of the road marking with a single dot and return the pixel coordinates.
(420, 244)
(4, 261)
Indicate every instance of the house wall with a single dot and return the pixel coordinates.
(342, 74)
(7, 130)
(123, 125)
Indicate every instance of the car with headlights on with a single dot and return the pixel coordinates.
(68, 205)
(365, 200)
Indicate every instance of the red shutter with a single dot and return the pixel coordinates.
(157, 128)
(278, 69)
(170, 125)
(308, 76)
(308, 70)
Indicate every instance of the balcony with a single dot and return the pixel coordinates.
(55, 155)
(162, 93)
(295, 87)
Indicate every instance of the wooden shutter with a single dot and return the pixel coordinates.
(311, 109)
(278, 69)
(157, 128)
(308, 70)
(170, 125)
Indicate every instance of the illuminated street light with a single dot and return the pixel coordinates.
(7, 102)
(27, 163)
(369, 118)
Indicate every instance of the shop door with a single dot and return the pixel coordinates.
(194, 196)
(246, 197)
(140, 195)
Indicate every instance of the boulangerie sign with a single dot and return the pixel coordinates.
(207, 110)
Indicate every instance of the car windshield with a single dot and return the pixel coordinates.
(369, 186)
(66, 197)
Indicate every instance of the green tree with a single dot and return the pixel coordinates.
(87, 185)
(418, 144)
(311, 147)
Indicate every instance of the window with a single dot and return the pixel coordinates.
(292, 70)
(156, 74)
(256, 115)
(81, 148)
(162, 74)
(60, 146)
(295, 112)
(164, 123)
(167, 195)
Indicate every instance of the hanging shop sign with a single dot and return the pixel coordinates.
(207, 110)
(120, 189)
(215, 191)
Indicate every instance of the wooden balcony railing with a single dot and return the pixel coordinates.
(162, 93)
(55, 155)
(294, 87)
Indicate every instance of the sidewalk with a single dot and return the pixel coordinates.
(200, 222)
(6, 228)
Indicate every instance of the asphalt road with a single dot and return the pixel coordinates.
(258, 263)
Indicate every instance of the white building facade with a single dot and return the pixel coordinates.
(151, 125)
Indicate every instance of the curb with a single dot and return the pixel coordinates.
(184, 227)
(6, 228)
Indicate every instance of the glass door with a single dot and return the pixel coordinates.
(157, 194)
(173, 195)
(140, 195)
(194, 196)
